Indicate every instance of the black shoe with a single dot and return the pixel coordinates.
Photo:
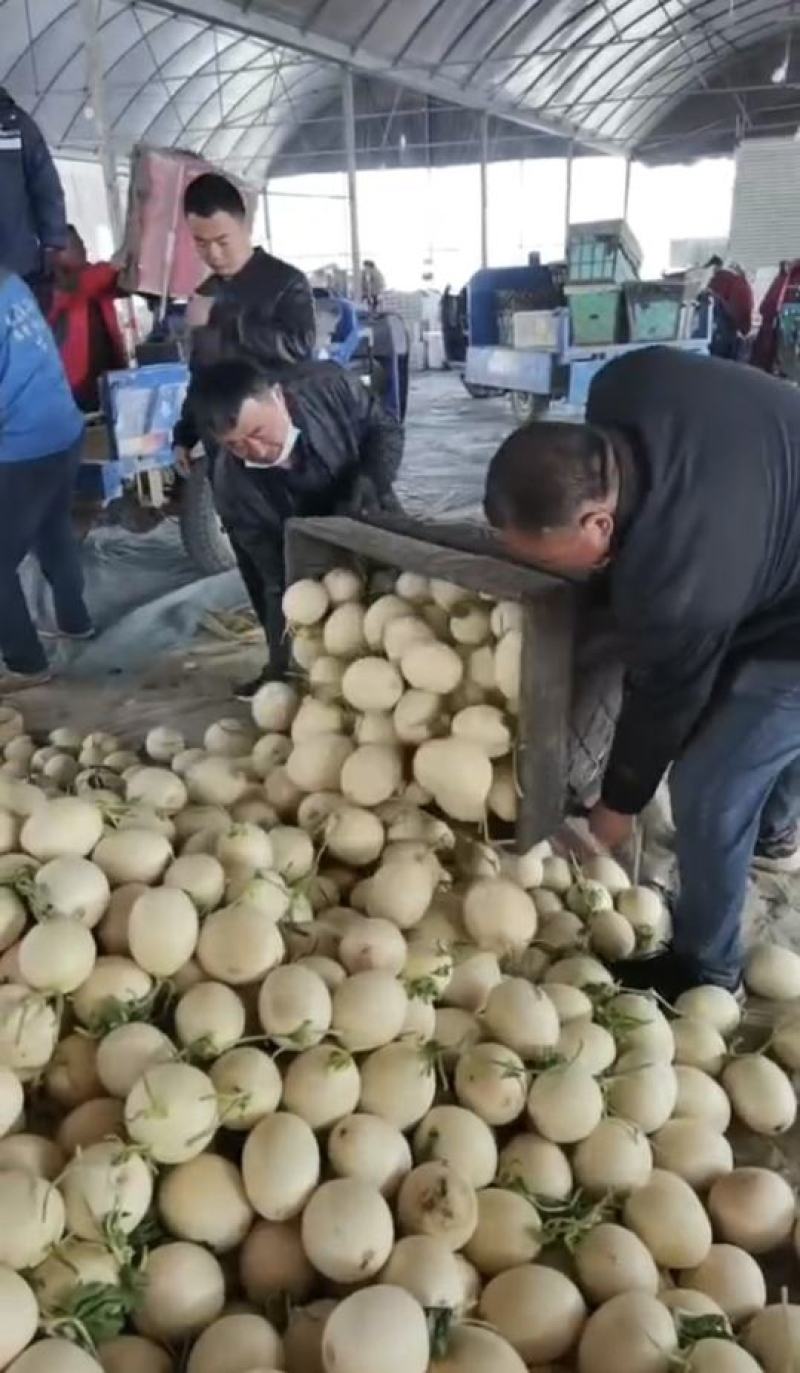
(247, 690)
(666, 973)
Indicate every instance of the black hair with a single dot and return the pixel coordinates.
(219, 391)
(543, 473)
(210, 193)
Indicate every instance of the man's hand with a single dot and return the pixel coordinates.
(609, 828)
(183, 460)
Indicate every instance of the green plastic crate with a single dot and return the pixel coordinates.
(596, 314)
(604, 250)
(654, 310)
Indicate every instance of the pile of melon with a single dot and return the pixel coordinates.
(299, 1073)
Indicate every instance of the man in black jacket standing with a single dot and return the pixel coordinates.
(33, 221)
(311, 440)
(685, 484)
(252, 306)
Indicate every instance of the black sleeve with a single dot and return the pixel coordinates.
(44, 186)
(380, 438)
(185, 434)
(668, 684)
(286, 332)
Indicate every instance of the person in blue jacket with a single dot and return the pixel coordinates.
(41, 434)
(33, 220)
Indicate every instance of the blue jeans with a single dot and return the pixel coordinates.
(36, 517)
(737, 781)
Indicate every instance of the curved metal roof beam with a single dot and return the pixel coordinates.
(692, 50)
(669, 94)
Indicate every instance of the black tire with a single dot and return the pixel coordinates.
(202, 534)
(526, 406)
(478, 392)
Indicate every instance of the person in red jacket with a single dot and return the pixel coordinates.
(84, 320)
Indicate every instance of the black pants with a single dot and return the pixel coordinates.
(36, 517)
(263, 575)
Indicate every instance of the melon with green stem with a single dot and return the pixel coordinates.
(733, 1279)
(321, 1085)
(106, 1184)
(28, 1030)
(172, 1111)
(248, 1085)
(70, 886)
(209, 1018)
(398, 1084)
(536, 1166)
(490, 1079)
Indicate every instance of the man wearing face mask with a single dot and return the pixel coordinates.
(685, 485)
(314, 442)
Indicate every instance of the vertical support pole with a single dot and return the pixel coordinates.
(485, 189)
(349, 114)
(568, 194)
(626, 198)
(267, 216)
(95, 72)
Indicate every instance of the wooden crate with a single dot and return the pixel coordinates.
(467, 555)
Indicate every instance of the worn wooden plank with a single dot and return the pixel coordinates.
(488, 572)
(544, 714)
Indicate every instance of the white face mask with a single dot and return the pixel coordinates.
(292, 435)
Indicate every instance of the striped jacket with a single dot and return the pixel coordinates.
(32, 214)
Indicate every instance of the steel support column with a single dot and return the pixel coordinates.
(95, 75)
(349, 116)
(267, 216)
(568, 195)
(484, 167)
(626, 196)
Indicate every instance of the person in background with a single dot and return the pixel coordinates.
(84, 320)
(41, 432)
(684, 486)
(312, 442)
(373, 283)
(253, 306)
(730, 287)
(33, 221)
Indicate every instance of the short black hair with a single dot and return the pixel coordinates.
(219, 390)
(210, 193)
(543, 473)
